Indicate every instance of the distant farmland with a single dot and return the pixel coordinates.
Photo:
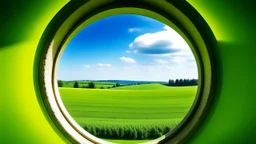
(136, 112)
(83, 83)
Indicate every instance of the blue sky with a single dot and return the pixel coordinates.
(127, 47)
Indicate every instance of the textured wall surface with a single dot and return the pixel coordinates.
(22, 120)
(232, 118)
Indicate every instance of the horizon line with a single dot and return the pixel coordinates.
(126, 80)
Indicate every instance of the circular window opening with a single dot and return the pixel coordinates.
(79, 16)
(127, 78)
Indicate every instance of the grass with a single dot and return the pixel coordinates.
(142, 87)
(131, 112)
(127, 141)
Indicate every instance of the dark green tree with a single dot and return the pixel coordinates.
(76, 85)
(117, 84)
(60, 83)
(171, 82)
(183, 82)
(91, 85)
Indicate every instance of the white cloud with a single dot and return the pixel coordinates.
(163, 42)
(187, 53)
(104, 65)
(131, 30)
(178, 60)
(128, 52)
(169, 67)
(127, 60)
(161, 61)
(182, 57)
(87, 66)
(167, 28)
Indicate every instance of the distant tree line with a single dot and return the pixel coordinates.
(90, 85)
(183, 82)
(171, 82)
(115, 85)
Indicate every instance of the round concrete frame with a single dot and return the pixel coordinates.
(77, 14)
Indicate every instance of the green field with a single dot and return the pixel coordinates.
(135, 112)
(127, 141)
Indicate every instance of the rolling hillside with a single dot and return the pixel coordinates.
(132, 109)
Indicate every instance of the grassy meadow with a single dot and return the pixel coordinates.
(136, 112)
